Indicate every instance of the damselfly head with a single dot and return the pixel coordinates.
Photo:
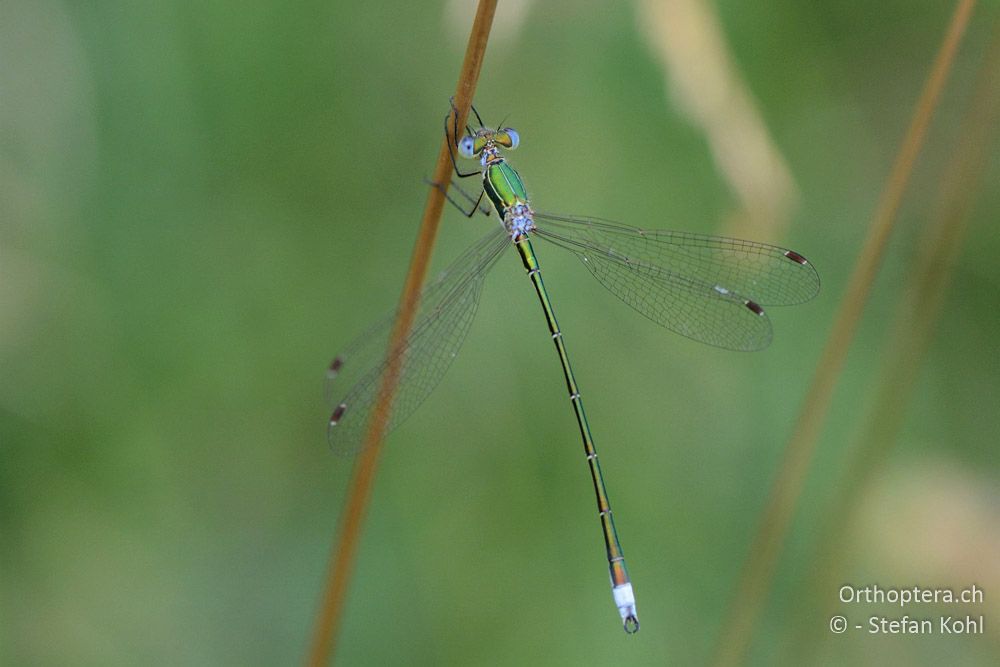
(487, 138)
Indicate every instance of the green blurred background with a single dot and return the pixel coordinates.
(201, 202)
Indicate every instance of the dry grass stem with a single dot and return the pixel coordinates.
(912, 329)
(341, 564)
(755, 578)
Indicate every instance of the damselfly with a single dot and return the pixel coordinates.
(708, 288)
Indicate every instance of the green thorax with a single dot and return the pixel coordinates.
(503, 186)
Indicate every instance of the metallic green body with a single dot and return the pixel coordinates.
(505, 189)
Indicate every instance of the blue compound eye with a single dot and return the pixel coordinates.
(508, 138)
(466, 147)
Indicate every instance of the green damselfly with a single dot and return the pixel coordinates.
(708, 288)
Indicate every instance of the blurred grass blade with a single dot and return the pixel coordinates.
(706, 85)
(758, 569)
(349, 531)
(908, 339)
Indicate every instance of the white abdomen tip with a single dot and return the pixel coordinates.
(625, 601)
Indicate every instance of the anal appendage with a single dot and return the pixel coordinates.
(625, 601)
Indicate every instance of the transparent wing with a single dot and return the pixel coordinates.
(708, 288)
(447, 308)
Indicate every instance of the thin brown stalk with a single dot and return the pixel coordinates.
(758, 569)
(341, 563)
(911, 332)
